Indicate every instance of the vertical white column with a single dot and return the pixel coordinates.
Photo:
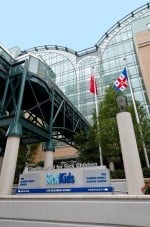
(48, 162)
(9, 165)
(132, 164)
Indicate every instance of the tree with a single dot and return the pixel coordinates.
(107, 132)
(87, 145)
(142, 130)
(108, 129)
(25, 156)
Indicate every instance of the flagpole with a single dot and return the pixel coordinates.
(96, 108)
(137, 118)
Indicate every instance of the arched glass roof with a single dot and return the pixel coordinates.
(104, 40)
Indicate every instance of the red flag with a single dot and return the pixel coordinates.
(93, 85)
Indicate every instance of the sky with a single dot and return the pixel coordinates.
(76, 24)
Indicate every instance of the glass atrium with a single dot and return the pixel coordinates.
(106, 59)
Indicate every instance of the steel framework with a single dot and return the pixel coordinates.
(31, 104)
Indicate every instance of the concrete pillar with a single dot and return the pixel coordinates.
(130, 154)
(9, 165)
(49, 157)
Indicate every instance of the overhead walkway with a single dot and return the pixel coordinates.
(31, 104)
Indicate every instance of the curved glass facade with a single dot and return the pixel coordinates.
(114, 51)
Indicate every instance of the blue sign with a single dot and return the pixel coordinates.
(72, 180)
(64, 190)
